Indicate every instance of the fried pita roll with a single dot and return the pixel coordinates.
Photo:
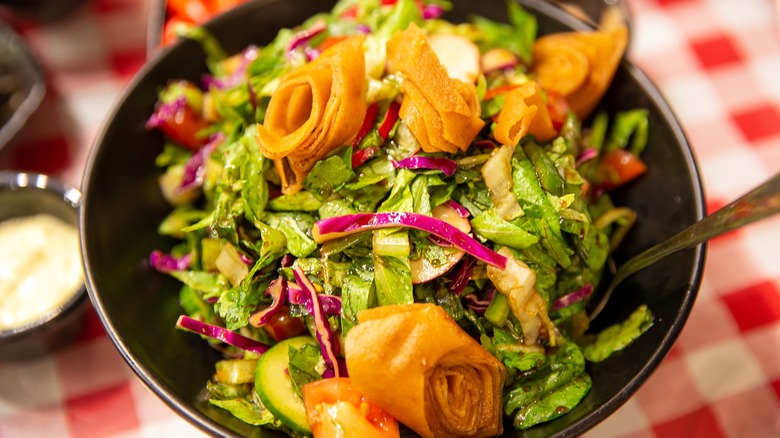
(524, 112)
(415, 362)
(579, 65)
(442, 112)
(316, 109)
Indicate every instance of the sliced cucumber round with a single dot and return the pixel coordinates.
(274, 387)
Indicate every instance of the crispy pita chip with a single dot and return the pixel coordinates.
(524, 112)
(444, 382)
(442, 113)
(316, 109)
(579, 65)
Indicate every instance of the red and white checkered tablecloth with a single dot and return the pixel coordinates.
(717, 62)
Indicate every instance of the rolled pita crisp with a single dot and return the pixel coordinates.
(316, 109)
(443, 113)
(414, 361)
(524, 112)
(579, 65)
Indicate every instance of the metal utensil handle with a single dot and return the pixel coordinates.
(759, 203)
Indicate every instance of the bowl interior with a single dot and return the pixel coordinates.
(123, 206)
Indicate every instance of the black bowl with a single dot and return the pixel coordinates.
(122, 207)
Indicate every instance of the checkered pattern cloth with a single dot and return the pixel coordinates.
(717, 62)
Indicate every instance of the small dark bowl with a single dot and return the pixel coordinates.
(138, 307)
(22, 87)
(26, 194)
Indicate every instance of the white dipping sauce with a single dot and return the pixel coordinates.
(40, 267)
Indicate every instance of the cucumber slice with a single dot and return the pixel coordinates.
(273, 385)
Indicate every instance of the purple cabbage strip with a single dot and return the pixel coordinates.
(462, 275)
(221, 334)
(485, 144)
(331, 304)
(237, 76)
(168, 263)
(329, 346)
(195, 167)
(572, 297)
(445, 165)
(277, 290)
(474, 303)
(359, 222)
(432, 11)
(461, 210)
(304, 36)
(362, 28)
(287, 260)
(165, 111)
(586, 155)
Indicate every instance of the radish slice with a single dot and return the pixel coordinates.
(458, 55)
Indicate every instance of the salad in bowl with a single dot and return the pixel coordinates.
(388, 221)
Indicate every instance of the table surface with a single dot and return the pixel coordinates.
(717, 62)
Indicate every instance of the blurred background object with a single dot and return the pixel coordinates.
(22, 84)
(40, 10)
(604, 13)
(168, 19)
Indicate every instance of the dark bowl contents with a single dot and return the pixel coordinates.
(28, 195)
(139, 307)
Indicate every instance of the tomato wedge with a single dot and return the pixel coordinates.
(334, 408)
(283, 326)
(184, 127)
(558, 108)
(618, 167)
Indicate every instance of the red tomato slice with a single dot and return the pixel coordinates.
(335, 408)
(283, 326)
(558, 108)
(192, 10)
(183, 128)
(619, 167)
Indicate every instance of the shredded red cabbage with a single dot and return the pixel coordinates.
(338, 226)
(485, 144)
(166, 111)
(221, 334)
(287, 260)
(477, 305)
(276, 290)
(445, 165)
(586, 155)
(303, 37)
(331, 304)
(462, 275)
(195, 167)
(237, 76)
(573, 297)
(432, 11)
(328, 344)
(461, 210)
(167, 263)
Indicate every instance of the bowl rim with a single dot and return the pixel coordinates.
(14, 181)
(198, 419)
